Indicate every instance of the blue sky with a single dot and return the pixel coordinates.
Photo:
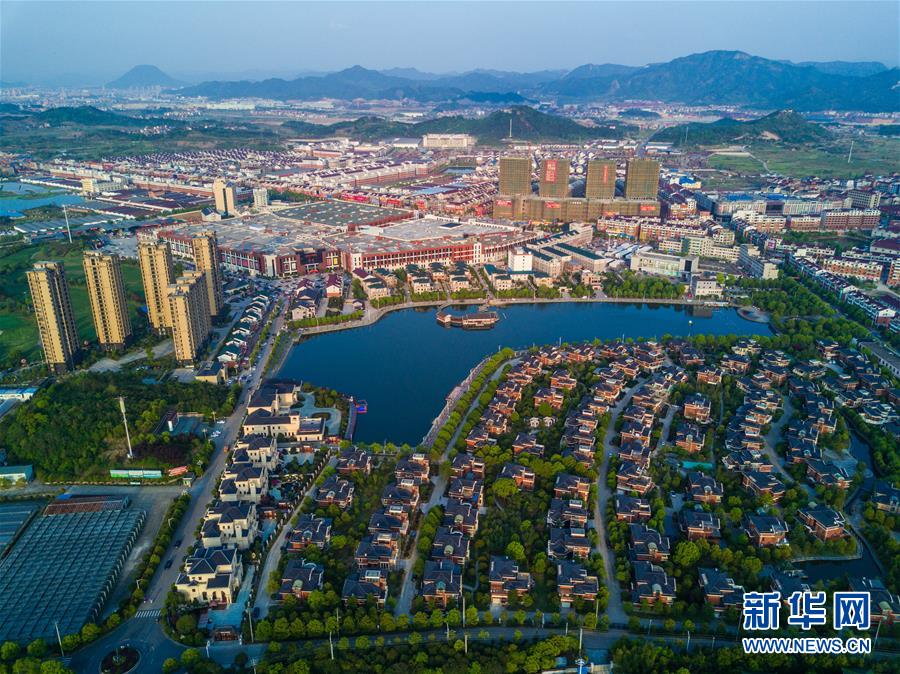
(219, 38)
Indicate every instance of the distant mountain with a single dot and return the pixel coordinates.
(412, 74)
(736, 78)
(589, 81)
(355, 82)
(710, 78)
(785, 125)
(846, 68)
(144, 77)
(527, 124)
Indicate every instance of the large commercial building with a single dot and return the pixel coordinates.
(189, 308)
(601, 179)
(53, 311)
(659, 264)
(515, 176)
(553, 204)
(206, 258)
(224, 196)
(554, 178)
(641, 179)
(447, 141)
(157, 274)
(570, 209)
(106, 291)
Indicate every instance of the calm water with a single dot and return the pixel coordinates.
(405, 365)
(12, 206)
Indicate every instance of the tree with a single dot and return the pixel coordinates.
(186, 624)
(37, 648)
(170, 665)
(687, 554)
(190, 658)
(516, 551)
(505, 488)
(9, 651)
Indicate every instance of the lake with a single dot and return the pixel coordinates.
(12, 206)
(406, 364)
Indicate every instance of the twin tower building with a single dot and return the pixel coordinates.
(183, 306)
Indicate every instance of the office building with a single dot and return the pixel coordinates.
(260, 197)
(554, 178)
(106, 291)
(189, 309)
(157, 274)
(206, 258)
(223, 193)
(515, 175)
(755, 265)
(601, 179)
(53, 311)
(864, 198)
(641, 179)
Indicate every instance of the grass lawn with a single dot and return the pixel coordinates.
(19, 330)
(870, 155)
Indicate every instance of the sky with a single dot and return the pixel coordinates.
(96, 41)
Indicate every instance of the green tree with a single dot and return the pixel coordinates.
(186, 624)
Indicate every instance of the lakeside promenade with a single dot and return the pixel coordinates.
(372, 316)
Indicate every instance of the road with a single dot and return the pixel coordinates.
(202, 490)
(263, 599)
(408, 590)
(614, 609)
(164, 348)
(773, 437)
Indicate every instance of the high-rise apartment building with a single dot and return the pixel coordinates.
(554, 178)
(189, 308)
(260, 197)
(641, 179)
(601, 179)
(157, 273)
(223, 193)
(53, 311)
(515, 175)
(206, 257)
(106, 291)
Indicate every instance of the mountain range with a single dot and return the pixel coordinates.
(526, 124)
(708, 78)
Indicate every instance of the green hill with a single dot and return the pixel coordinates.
(527, 124)
(87, 115)
(785, 126)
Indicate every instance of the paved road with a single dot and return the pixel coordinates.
(666, 425)
(614, 609)
(112, 365)
(202, 489)
(263, 599)
(408, 590)
(773, 437)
